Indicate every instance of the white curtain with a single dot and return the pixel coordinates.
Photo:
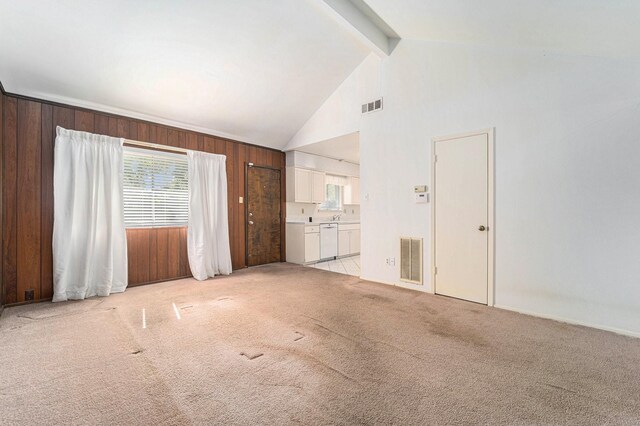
(208, 234)
(89, 237)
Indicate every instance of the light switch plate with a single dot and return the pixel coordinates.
(240, 200)
(422, 197)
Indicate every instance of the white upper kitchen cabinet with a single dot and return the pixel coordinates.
(318, 190)
(352, 191)
(305, 186)
(303, 179)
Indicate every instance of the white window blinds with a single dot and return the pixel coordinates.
(336, 180)
(155, 189)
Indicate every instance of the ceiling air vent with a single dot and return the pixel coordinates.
(372, 106)
(411, 260)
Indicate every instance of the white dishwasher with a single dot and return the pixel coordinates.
(328, 241)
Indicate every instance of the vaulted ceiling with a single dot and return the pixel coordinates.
(253, 70)
(257, 70)
(607, 28)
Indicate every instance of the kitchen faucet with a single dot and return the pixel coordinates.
(336, 217)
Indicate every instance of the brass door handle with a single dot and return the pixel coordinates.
(250, 222)
(482, 228)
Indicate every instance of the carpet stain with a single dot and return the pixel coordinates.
(137, 352)
(442, 327)
(312, 318)
(337, 333)
(299, 337)
(335, 370)
(376, 297)
(65, 309)
(560, 388)
(252, 356)
(282, 385)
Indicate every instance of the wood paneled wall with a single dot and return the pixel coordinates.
(1, 186)
(159, 254)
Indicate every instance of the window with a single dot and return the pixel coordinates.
(156, 188)
(334, 186)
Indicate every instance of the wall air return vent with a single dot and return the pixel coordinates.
(372, 106)
(411, 260)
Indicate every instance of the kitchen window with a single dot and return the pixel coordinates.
(156, 189)
(334, 189)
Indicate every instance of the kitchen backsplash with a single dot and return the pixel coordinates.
(295, 212)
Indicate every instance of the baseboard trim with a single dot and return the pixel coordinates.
(620, 331)
(28, 302)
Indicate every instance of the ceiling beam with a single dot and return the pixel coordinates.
(365, 24)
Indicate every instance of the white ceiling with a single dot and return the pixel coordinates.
(343, 148)
(608, 28)
(253, 70)
(256, 70)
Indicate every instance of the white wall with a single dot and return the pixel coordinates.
(567, 171)
(302, 211)
(340, 114)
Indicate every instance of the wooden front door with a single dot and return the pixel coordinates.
(264, 238)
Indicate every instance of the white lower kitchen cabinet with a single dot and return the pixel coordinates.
(348, 239)
(343, 243)
(311, 247)
(303, 243)
(354, 242)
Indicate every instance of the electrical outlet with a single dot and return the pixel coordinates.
(392, 261)
(28, 295)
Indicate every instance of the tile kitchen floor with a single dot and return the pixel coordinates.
(346, 265)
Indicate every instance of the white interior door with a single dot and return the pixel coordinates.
(461, 249)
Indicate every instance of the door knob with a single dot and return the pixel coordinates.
(482, 228)
(250, 214)
(250, 222)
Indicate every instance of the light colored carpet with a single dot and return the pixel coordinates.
(285, 344)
